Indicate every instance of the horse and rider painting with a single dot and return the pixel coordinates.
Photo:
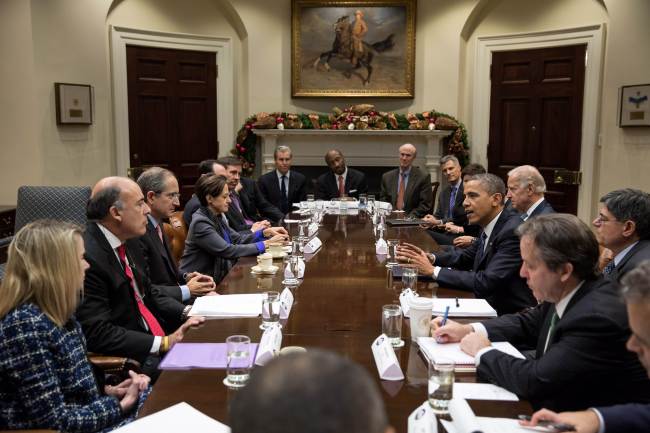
(353, 48)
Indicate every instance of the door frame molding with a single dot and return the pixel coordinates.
(121, 36)
(594, 37)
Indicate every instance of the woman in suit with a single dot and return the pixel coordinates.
(46, 381)
(212, 246)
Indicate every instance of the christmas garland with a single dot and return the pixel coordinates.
(362, 116)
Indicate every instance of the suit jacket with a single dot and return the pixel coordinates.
(586, 363)
(190, 207)
(108, 313)
(543, 209)
(458, 213)
(638, 253)
(417, 197)
(495, 276)
(162, 267)
(253, 206)
(328, 187)
(208, 252)
(626, 418)
(270, 187)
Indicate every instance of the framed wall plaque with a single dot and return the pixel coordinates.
(73, 104)
(634, 106)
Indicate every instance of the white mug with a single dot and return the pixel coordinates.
(265, 261)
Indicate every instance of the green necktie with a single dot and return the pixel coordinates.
(551, 328)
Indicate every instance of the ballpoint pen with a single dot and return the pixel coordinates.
(444, 320)
(457, 303)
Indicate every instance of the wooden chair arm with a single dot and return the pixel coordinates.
(114, 364)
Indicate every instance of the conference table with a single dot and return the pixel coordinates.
(337, 307)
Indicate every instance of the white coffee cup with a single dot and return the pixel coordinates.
(420, 313)
(265, 261)
(276, 249)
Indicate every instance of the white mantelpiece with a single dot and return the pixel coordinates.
(360, 147)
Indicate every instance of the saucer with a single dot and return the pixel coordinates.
(279, 255)
(271, 270)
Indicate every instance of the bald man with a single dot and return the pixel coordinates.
(122, 313)
(407, 188)
(340, 180)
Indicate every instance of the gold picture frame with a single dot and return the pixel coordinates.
(338, 52)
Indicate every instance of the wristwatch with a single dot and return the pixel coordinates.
(185, 313)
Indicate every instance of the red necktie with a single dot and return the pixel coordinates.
(400, 193)
(341, 187)
(159, 231)
(152, 323)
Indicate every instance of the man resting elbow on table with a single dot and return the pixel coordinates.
(579, 329)
(212, 246)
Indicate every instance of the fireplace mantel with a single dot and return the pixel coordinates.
(360, 147)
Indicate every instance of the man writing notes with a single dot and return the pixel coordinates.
(340, 180)
(283, 186)
(623, 227)
(407, 188)
(122, 313)
(526, 189)
(578, 330)
(490, 266)
(624, 418)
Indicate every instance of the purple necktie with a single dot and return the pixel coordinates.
(235, 199)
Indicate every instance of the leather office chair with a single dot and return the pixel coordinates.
(176, 232)
(434, 192)
(63, 203)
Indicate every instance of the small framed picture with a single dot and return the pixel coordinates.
(73, 104)
(635, 106)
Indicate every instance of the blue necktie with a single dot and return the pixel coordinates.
(609, 268)
(452, 202)
(480, 249)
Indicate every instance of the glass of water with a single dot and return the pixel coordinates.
(310, 201)
(293, 264)
(363, 201)
(441, 384)
(270, 310)
(391, 324)
(238, 361)
(410, 278)
(371, 203)
(392, 252)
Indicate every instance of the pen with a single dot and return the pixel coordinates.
(557, 426)
(457, 304)
(444, 320)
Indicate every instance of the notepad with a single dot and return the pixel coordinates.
(177, 418)
(435, 351)
(464, 421)
(186, 356)
(464, 308)
(482, 391)
(225, 306)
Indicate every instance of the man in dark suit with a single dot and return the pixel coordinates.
(579, 329)
(249, 209)
(122, 313)
(160, 189)
(623, 227)
(407, 188)
(340, 181)
(450, 204)
(283, 186)
(526, 188)
(623, 418)
(490, 266)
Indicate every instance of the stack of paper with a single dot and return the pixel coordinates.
(466, 422)
(177, 418)
(463, 307)
(248, 305)
(482, 391)
(186, 356)
(434, 351)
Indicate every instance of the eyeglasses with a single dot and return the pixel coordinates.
(171, 195)
(600, 219)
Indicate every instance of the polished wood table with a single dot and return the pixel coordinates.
(337, 307)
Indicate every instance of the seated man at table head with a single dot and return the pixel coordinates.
(407, 188)
(249, 210)
(122, 313)
(624, 418)
(579, 329)
(283, 186)
(47, 381)
(526, 188)
(623, 227)
(340, 180)
(206, 166)
(160, 189)
(490, 266)
(310, 392)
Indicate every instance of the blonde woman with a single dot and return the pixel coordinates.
(45, 378)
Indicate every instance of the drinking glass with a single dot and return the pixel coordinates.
(363, 201)
(293, 263)
(238, 361)
(270, 310)
(371, 203)
(441, 384)
(391, 324)
(410, 278)
(392, 252)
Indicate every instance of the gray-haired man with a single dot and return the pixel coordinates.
(283, 186)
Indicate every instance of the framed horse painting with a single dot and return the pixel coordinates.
(353, 48)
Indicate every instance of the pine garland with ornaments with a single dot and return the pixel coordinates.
(360, 117)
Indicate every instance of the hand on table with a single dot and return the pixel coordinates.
(413, 255)
(451, 332)
(430, 221)
(260, 225)
(450, 227)
(585, 421)
(179, 334)
(473, 342)
(273, 231)
(200, 284)
(463, 241)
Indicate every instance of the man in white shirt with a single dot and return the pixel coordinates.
(526, 188)
(578, 330)
(283, 186)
